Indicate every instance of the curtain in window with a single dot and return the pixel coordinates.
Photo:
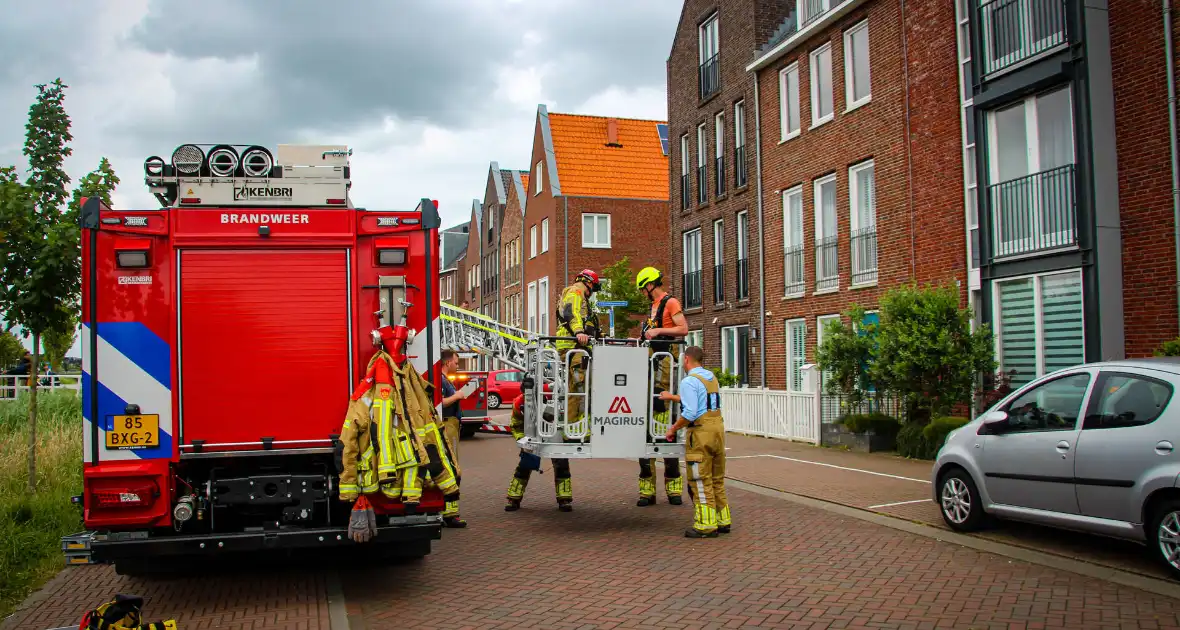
(1061, 313)
(797, 348)
(828, 209)
(865, 187)
(1018, 343)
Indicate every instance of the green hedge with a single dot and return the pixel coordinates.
(879, 423)
(918, 441)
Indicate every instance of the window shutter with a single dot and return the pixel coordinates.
(1018, 339)
(1061, 312)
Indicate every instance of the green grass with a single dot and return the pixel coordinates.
(31, 527)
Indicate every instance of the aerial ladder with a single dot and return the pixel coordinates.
(618, 395)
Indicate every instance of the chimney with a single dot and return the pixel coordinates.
(612, 133)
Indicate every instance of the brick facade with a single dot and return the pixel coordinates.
(1145, 202)
(473, 296)
(512, 253)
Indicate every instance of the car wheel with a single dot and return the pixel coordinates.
(467, 431)
(959, 502)
(493, 401)
(1163, 536)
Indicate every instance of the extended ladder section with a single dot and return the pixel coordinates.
(595, 403)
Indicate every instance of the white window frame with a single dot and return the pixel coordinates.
(702, 146)
(850, 69)
(684, 152)
(816, 121)
(733, 330)
(739, 125)
(709, 37)
(478, 274)
(1033, 148)
(719, 135)
(743, 226)
(718, 242)
(1038, 314)
(788, 89)
(854, 217)
(794, 371)
(538, 173)
(822, 230)
(687, 238)
(596, 243)
(822, 322)
(533, 241)
(543, 305)
(532, 307)
(793, 237)
(695, 338)
(544, 235)
(822, 6)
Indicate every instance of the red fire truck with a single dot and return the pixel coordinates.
(222, 336)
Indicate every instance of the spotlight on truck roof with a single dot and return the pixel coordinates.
(257, 162)
(187, 159)
(223, 161)
(154, 166)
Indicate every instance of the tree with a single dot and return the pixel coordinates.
(40, 281)
(58, 343)
(619, 285)
(926, 352)
(11, 349)
(846, 356)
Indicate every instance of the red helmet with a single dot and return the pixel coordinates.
(590, 277)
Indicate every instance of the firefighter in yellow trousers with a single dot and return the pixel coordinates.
(529, 462)
(576, 320)
(666, 323)
(700, 412)
(451, 423)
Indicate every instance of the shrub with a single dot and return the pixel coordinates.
(927, 352)
(911, 441)
(725, 379)
(1169, 349)
(879, 423)
(936, 432)
(31, 527)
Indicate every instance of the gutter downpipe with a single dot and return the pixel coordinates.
(761, 241)
(1167, 6)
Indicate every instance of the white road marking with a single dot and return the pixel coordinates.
(885, 505)
(859, 470)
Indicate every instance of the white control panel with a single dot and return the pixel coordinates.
(618, 402)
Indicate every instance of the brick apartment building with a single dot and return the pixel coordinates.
(452, 247)
(856, 141)
(597, 191)
(1066, 114)
(512, 237)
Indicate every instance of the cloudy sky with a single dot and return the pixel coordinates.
(426, 92)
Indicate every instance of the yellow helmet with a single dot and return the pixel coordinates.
(648, 275)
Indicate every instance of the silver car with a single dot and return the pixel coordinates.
(1090, 448)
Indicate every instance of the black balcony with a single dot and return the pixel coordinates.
(719, 166)
(1034, 213)
(793, 270)
(864, 256)
(711, 76)
(743, 279)
(1016, 30)
(827, 264)
(740, 176)
(692, 289)
(685, 192)
(719, 284)
(702, 185)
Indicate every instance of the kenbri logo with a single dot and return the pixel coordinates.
(250, 192)
(264, 219)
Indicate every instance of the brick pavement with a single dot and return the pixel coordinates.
(231, 597)
(857, 489)
(610, 564)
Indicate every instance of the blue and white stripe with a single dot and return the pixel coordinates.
(134, 366)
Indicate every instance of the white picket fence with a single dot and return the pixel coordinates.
(12, 385)
(775, 413)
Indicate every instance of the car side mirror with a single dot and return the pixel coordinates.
(994, 422)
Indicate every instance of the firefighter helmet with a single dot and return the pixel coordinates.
(648, 275)
(590, 278)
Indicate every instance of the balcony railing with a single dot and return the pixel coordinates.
(711, 76)
(1034, 213)
(1015, 30)
(702, 185)
(827, 264)
(719, 284)
(812, 10)
(692, 289)
(864, 255)
(743, 279)
(740, 176)
(685, 192)
(719, 166)
(793, 272)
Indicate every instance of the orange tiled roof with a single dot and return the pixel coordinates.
(587, 167)
(524, 179)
